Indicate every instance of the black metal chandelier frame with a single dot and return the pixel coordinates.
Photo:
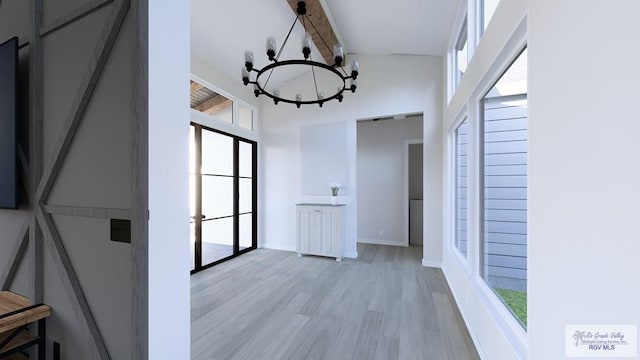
(301, 13)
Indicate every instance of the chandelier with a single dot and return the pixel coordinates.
(335, 70)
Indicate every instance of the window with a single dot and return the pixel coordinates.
(504, 187)
(211, 103)
(461, 188)
(246, 117)
(487, 8)
(460, 55)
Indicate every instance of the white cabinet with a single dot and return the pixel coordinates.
(321, 230)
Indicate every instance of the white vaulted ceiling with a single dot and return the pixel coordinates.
(221, 30)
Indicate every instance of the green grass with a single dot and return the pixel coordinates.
(517, 302)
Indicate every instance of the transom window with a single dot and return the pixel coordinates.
(487, 8)
(461, 54)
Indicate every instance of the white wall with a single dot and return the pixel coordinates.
(388, 85)
(495, 332)
(169, 283)
(380, 178)
(584, 173)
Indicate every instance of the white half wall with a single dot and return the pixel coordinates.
(388, 85)
(584, 172)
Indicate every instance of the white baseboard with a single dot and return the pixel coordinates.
(381, 242)
(278, 247)
(465, 318)
(351, 255)
(432, 264)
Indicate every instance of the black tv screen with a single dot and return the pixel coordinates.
(9, 124)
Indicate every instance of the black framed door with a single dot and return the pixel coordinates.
(223, 196)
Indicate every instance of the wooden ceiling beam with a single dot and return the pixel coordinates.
(319, 18)
(214, 105)
(195, 87)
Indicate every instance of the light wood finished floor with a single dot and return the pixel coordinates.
(273, 305)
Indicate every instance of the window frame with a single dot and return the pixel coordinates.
(232, 127)
(503, 314)
(198, 260)
(455, 201)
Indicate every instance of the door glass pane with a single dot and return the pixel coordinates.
(246, 159)
(246, 195)
(217, 240)
(217, 153)
(505, 126)
(217, 196)
(246, 117)
(246, 231)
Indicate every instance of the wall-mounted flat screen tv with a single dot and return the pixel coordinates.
(9, 124)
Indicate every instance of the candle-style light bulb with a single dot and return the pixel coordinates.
(354, 85)
(338, 54)
(248, 60)
(256, 90)
(245, 76)
(298, 100)
(276, 93)
(355, 69)
(306, 45)
(271, 48)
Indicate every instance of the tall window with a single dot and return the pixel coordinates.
(460, 55)
(461, 188)
(504, 178)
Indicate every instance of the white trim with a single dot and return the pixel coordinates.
(405, 185)
(351, 255)
(465, 318)
(277, 246)
(219, 124)
(511, 328)
(432, 264)
(381, 242)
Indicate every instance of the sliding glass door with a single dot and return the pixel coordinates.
(223, 196)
